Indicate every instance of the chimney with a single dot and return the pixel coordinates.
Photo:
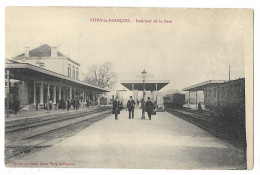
(26, 52)
(53, 51)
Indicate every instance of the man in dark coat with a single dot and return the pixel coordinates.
(131, 107)
(149, 108)
(116, 108)
(16, 105)
(76, 103)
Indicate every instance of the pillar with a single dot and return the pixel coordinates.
(189, 97)
(133, 90)
(65, 93)
(70, 92)
(59, 92)
(98, 99)
(54, 94)
(48, 94)
(156, 90)
(85, 96)
(74, 92)
(41, 93)
(196, 100)
(137, 96)
(34, 92)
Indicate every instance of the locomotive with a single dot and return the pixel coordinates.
(176, 100)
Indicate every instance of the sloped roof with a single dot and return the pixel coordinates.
(150, 85)
(42, 51)
(25, 71)
(201, 86)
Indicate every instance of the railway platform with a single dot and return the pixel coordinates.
(41, 113)
(165, 142)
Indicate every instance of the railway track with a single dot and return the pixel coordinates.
(37, 134)
(215, 126)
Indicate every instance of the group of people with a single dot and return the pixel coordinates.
(147, 106)
(75, 103)
(70, 102)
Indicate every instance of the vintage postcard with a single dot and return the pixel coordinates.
(134, 88)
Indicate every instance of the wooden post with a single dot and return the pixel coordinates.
(41, 94)
(48, 96)
(189, 97)
(156, 89)
(34, 92)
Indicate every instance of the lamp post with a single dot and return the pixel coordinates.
(143, 103)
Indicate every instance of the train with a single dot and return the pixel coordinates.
(226, 98)
(176, 100)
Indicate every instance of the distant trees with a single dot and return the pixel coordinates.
(102, 75)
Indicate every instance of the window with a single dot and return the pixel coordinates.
(73, 74)
(77, 75)
(69, 72)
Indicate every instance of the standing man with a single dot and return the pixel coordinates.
(116, 109)
(16, 105)
(131, 107)
(149, 108)
(50, 104)
(76, 103)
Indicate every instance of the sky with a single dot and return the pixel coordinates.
(197, 46)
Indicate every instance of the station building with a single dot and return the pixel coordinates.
(43, 74)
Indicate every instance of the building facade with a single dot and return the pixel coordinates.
(43, 74)
(50, 58)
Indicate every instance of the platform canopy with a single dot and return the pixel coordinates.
(25, 72)
(201, 86)
(150, 85)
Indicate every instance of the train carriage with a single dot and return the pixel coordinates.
(176, 100)
(223, 97)
(227, 97)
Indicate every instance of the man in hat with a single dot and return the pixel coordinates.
(149, 108)
(131, 107)
(116, 108)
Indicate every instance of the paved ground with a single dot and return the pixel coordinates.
(164, 142)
